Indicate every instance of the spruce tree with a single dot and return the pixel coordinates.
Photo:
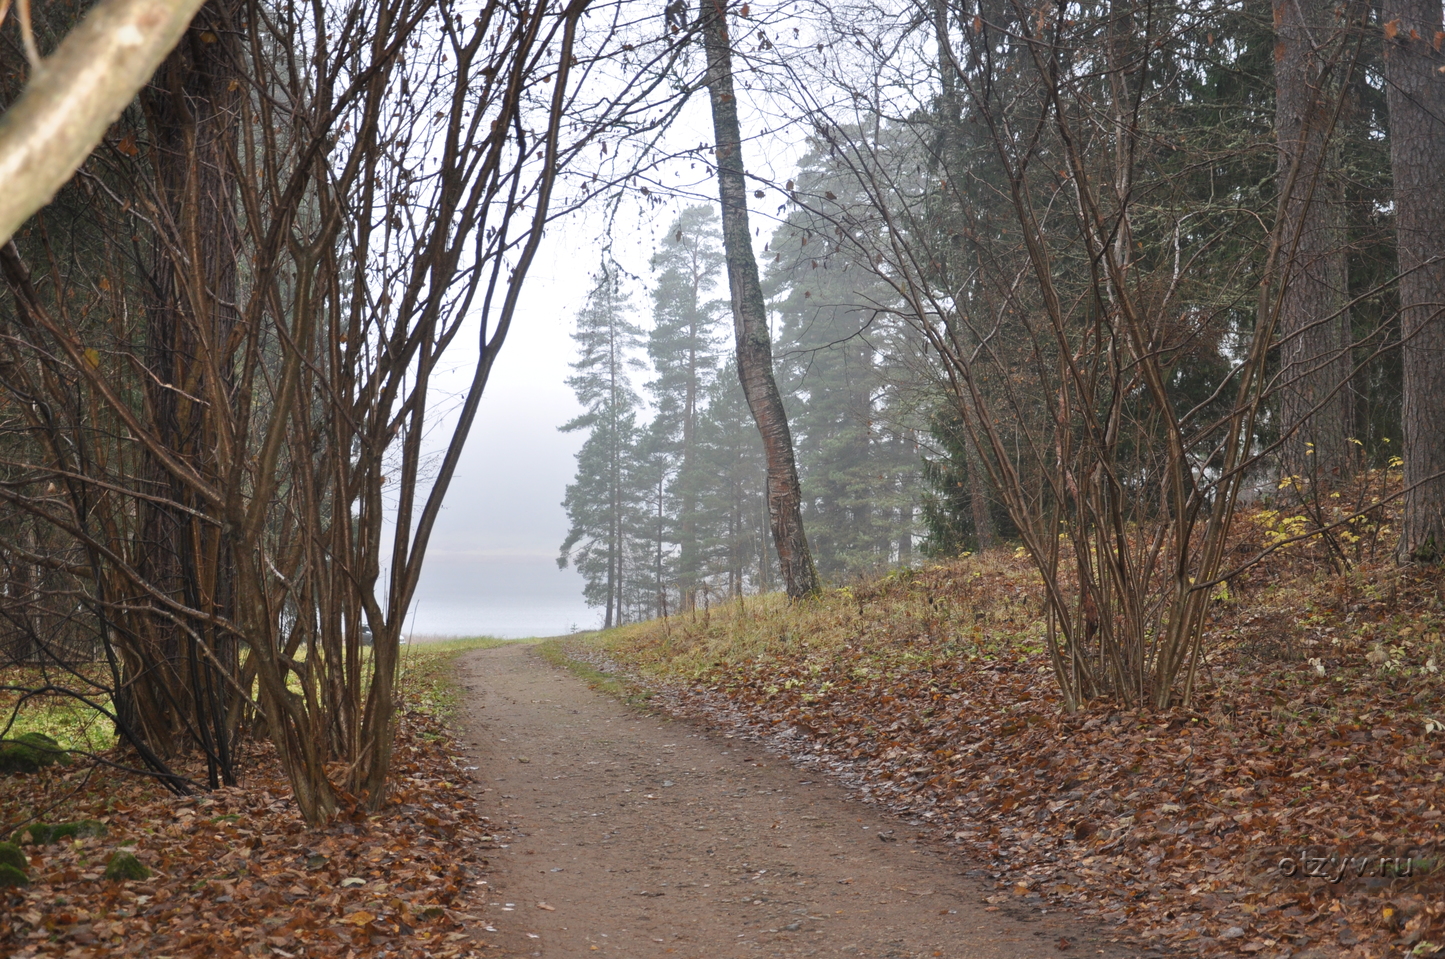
(603, 494)
(837, 356)
(732, 493)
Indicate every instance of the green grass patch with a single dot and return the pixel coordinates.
(75, 726)
(71, 723)
(424, 675)
(556, 651)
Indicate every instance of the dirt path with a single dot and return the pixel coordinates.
(636, 836)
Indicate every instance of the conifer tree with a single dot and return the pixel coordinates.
(1415, 74)
(601, 496)
(732, 493)
(1312, 67)
(836, 358)
(683, 347)
(750, 322)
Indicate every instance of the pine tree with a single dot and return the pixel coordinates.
(732, 493)
(1415, 70)
(599, 500)
(837, 351)
(750, 322)
(653, 525)
(1311, 70)
(683, 347)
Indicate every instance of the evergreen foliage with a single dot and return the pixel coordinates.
(684, 347)
(604, 492)
(847, 390)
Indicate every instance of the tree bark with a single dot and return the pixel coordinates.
(1415, 95)
(1315, 411)
(750, 319)
(191, 108)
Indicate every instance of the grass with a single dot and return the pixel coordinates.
(424, 676)
(68, 721)
(75, 725)
(570, 653)
(974, 610)
(1292, 622)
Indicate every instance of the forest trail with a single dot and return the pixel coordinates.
(637, 836)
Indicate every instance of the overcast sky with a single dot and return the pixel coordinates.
(492, 564)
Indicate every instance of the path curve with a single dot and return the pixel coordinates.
(638, 836)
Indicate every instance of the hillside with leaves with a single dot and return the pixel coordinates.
(1318, 735)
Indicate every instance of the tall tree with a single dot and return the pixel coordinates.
(654, 521)
(836, 329)
(1312, 64)
(191, 109)
(683, 349)
(750, 319)
(602, 495)
(1415, 93)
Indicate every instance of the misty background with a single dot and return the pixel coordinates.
(491, 568)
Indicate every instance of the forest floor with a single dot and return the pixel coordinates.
(236, 873)
(884, 771)
(1293, 810)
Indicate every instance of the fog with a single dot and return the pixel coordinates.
(491, 568)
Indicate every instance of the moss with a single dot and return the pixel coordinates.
(30, 753)
(124, 865)
(48, 749)
(10, 876)
(41, 834)
(11, 855)
(17, 758)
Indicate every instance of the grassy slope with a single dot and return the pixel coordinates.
(932, 685)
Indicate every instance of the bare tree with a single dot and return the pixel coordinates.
(1071, 280)
(219, 350)
(224, 449)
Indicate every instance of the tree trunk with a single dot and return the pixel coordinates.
(750, 319)
(1415, 94)
(190, 107)
(1314, 323)
(688, 561)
